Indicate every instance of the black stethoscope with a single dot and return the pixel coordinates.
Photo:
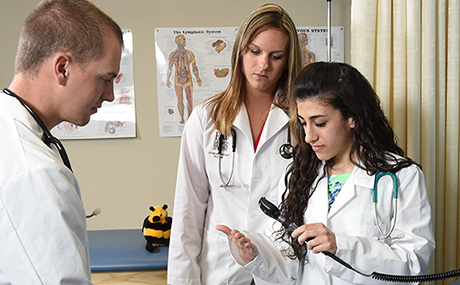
(286, 151)
(48, 138)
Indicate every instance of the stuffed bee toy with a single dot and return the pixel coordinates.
(157, 227)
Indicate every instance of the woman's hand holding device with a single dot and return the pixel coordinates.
(317, 237)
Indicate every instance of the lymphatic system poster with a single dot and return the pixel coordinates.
(194, 64)
(114, 119)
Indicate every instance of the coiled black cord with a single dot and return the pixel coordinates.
(398, 278)
(416, 278)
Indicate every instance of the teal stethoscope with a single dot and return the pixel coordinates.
(395, 205)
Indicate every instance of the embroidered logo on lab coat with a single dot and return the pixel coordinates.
(215, 146)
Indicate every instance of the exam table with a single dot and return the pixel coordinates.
(121, 254)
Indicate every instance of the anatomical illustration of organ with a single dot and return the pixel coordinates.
(219, 45)
(111, 126)
(221, 72)
(69, 127)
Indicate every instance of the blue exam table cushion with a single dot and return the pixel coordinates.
(124, 250)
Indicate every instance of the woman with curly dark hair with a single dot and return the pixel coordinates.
(343, 141)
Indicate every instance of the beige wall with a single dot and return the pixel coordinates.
(124, 177)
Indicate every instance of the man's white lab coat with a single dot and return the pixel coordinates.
(43, 238)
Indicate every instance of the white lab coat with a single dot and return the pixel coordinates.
(352, 220)
(43, 237)
(198, 253)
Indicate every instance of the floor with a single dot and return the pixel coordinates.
(155, 277)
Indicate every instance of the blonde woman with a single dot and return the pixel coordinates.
(230, 153)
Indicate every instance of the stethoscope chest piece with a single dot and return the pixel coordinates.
(286, 150)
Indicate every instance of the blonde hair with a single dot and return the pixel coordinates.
(76, 27)
(226, 105)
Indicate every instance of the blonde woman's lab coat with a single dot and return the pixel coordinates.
(351, 218)
(198, 253)
(43, 237)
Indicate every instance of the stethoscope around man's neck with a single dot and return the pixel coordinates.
(286, 151)
(48, 138)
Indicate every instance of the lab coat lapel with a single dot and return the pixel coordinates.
(242, 122)
(16, 110)
(276, 120)
(358, 178)
(347, 193)
(318, 203)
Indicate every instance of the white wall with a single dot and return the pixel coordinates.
(124, 177)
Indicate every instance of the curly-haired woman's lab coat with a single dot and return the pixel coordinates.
(351, 218)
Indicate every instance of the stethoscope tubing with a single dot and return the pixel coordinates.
(286, 151)
(48, 137)
(395, 203)
(220, 147)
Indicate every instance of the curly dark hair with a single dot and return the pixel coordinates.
(342, 87)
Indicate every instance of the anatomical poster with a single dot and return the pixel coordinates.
(194, 64)
(116, 119)
(314, 44)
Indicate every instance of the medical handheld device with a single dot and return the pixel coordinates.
(48, 138)
(273, 212)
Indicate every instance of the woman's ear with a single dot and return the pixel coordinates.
(351, 122)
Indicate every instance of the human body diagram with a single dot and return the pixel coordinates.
(308, 55)
(182, 59)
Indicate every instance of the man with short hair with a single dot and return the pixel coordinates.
(68, 55)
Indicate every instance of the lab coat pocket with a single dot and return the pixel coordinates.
(215, 258)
